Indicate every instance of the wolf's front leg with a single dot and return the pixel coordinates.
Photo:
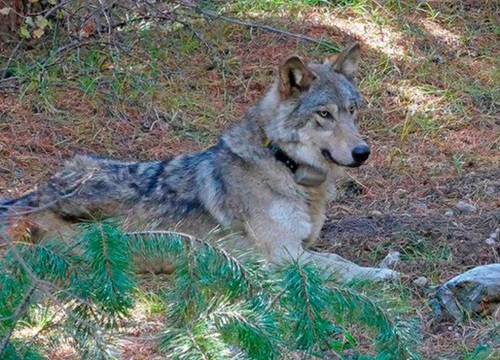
(280, 245)
(347, 270)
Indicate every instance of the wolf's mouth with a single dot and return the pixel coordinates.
(328, 156)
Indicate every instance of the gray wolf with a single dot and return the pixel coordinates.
(267, 180)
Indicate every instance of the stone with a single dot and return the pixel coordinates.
(465, 207)
(390, 261)
(490, 242)
(438, 59)
(495, 234)
(421, 281)
(449, 213)
(401, 192)
(420, 206)
(476, 291)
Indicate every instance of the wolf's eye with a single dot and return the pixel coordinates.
(324, 114)
(352, 109)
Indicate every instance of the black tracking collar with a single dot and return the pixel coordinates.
(281, 156)
(304, 175)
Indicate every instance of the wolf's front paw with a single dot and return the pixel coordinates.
(386, 274)
(377, 274)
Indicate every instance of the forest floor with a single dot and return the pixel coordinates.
(430, 74)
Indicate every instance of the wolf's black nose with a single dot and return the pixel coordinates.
(360, 153)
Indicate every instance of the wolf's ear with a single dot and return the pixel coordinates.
(294, 75)
(347, 61)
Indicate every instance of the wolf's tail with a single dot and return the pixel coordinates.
(15, 207)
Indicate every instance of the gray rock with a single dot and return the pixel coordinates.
(390, 261)
(421, 281)
(476, 291)
(401, 192)
(495, 234)
(421, 206)
(438, 59)
(449, 213)
(465, 207)
(490, 242)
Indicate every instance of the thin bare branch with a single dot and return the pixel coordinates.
(20, 310)
(11, 57)
(214, 16)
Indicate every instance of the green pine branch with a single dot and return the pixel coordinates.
(395, 339)
(110, 265)
(218, 305)
(305, 299)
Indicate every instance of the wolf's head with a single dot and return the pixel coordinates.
(312, 112)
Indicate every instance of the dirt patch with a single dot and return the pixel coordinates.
(422, 223)
(453, 243)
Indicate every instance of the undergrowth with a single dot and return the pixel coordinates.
(215, 306)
